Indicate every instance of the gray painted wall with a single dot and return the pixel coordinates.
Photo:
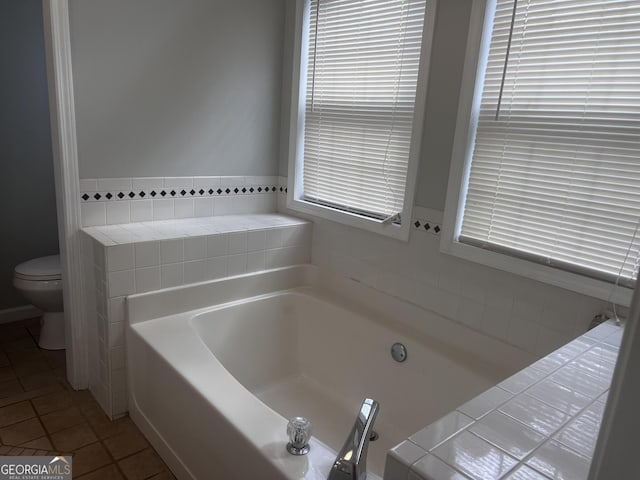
(445, 76)
(26, 165)
(170, 88)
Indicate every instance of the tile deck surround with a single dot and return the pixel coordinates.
(541, 423)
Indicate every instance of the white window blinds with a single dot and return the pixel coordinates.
(555, 172)
(363, 59)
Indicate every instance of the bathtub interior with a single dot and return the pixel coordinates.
(303, 354)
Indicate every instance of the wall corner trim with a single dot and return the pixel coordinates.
(65, 159)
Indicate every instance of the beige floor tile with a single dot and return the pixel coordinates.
(166, 475)
(73, 438)
(22, 432)
(11, 333)
(39, 380)
(142, 465)
(61, 419)
(42, 443)
(30, 394)
(110, 472)
(6, 373)
(29, 368)
(83, 398)
(25, 355)
(125, 444)
(24, 341)
(16, 413)
(106, 428)
(10, 387)
(50, 403)
(55, 358)
(90, 458)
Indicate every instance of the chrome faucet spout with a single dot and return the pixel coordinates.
(351, 462)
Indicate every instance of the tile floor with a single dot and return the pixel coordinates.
(40, 414)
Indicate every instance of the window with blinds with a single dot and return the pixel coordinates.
(362, 72)
(555, 168)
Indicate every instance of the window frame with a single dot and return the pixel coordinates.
(295, 186)
(478, 42)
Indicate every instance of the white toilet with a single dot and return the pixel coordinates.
(40, 282)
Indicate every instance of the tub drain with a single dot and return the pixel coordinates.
(374, 436)
(399, 352)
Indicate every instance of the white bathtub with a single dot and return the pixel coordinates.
(216, 369)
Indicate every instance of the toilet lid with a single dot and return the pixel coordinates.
(43, 268)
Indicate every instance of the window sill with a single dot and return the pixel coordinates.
(542, 273)
(399, 232)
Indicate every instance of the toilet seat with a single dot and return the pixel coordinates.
(40, 269)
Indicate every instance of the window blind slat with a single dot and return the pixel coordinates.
(361, 85)
(555, 168)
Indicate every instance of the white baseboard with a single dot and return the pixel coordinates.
(18, 313)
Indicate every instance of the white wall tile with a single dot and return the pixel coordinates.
(495, 322)
(114, 184)
(183, 207)
(120, 257)
(147, 183)
(163, 209)
(178, 182)
(236, 264)
(171, 251)
(208, 182)
(523, 333)
(121, 283)
(195, 271)
(203, 207)
(223, 206)
(274, 238)
(217, 267)
(93, 213)
(195, 248)
(118, 357)
(118, 212)
(237, 243)
(116, 309)
(116, 334)
(147, 279)
(217, 245)
(255, 261)
(147, 254)
(256, 240)
(141, 210)
(88, 185)
(172, 275)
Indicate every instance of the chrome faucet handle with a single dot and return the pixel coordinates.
(299, 432)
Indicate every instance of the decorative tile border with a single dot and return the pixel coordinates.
(150, 188)
(428, 226)
(109, 201)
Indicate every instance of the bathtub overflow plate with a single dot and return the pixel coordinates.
(399, 352)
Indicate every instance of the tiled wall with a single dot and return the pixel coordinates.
(533, 316)
(108, 201)
(121, 270)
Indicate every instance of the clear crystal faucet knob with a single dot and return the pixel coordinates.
(299, 432)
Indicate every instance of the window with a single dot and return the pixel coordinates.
(551, 157)
(354, 156)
